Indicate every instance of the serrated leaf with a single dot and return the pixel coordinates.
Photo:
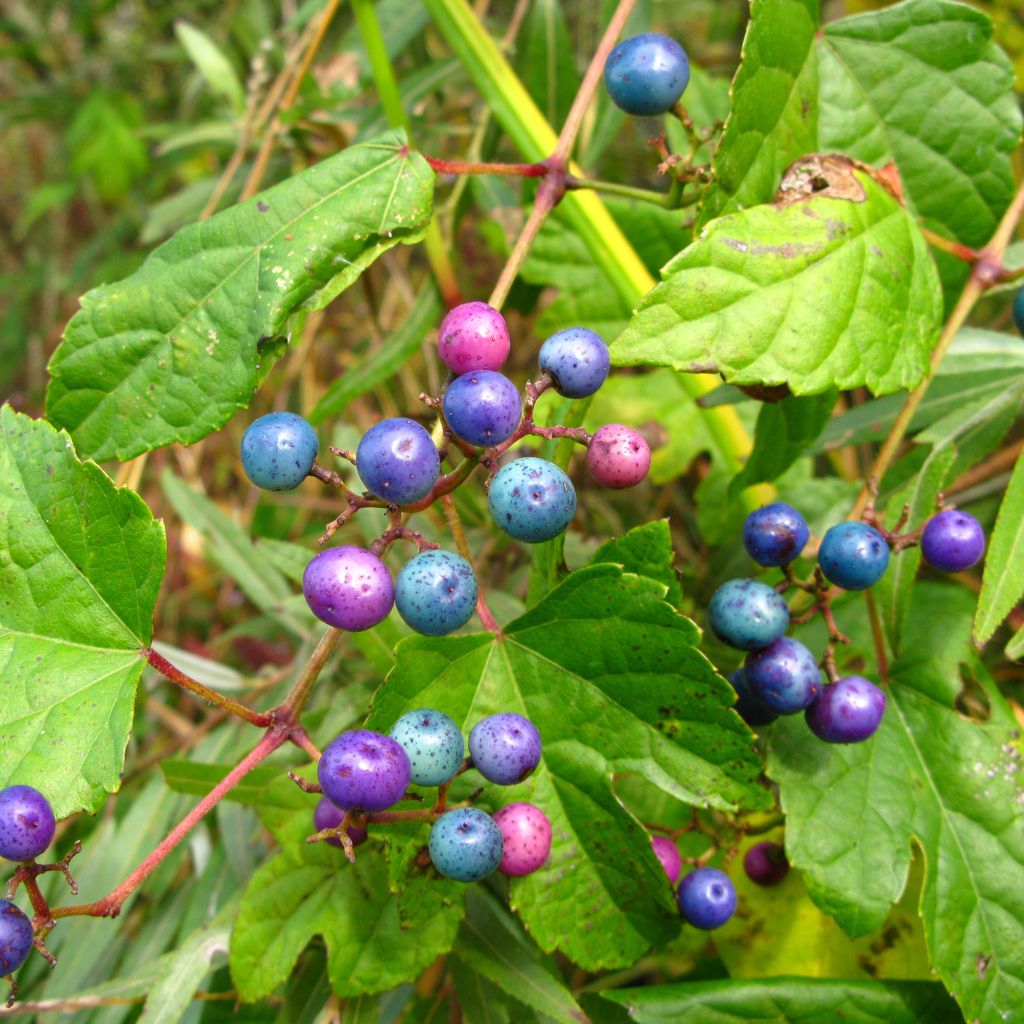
(1003, 580)
(81, 563)
(646, 551)
(170, 353)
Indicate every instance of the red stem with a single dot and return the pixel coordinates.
(477, 167)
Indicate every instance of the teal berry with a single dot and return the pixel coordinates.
(433, 743)
(577, 360)
(647, 74)
(748, 614)
(532, 500)
(853, 556)
(278, 451)
(436, 592)
(466, 845)
(1018, 310)
(397, 461)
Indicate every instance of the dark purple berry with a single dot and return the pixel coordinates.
(397, 461)
(783, 676)
(748, 614)
(349, 588)
(853, 556)
(668, 855)
(775, 535)
(15, 938)
(952, 541)
(747, 706)
(465, 844)
(847, 711)
(618, 456)
(505, 748)
(26, 823)
(647, 74)
(766, 864)
(483, 407)
(327, 815)
(473, 336)
(706, 898)
(577, 361)
(363, 770)
(526, 837)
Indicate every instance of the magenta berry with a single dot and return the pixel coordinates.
(952, 541)
(473, 336)
(618, 456)
(847, 711)
(526, 833)
(766, 864)
(349, 588)
(668, 855)
(327, 815)
(26, 823)
(363, 770)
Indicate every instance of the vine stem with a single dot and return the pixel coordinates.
(296, 700)
(451, 516)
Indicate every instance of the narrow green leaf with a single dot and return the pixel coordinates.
(1003, 580)
(211, 63)
(546, 60)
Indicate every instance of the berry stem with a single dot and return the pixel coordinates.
(479, 167)
(877, 636)
(451, 516)
(287, 713)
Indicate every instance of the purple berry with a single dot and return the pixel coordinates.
(26, 823)
(766, 864)
(853, 556)
(747, 706)
(348, 587)
(465, 844)
(15, 938)
(363, 770)
(397, 461)
(775, 535)
(618, 456)
(483, 407)
(952, 541)
(646, 75)
(473, 336)
(847, 711)
(577, 361)
(784, 676)
(327, 815)
(668, 854)
(505, 748)
(748, 614)
(526, 835)
(278, 451)
(706, 898)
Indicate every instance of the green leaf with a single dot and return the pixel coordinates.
(81, 563)
(170, 353)
(105, 143)
(790, 1001)
(1015, 648)
(612, 677)
(546, 60)
(647, 551)
(1003, 580)
(211, 63)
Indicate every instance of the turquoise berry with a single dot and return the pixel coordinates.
(532, 500)
(853, 556)
(466, 845)
(433, 743)
(748, 614)
(1018, 310)
(278, 451)
(647, 74)
(436, 592)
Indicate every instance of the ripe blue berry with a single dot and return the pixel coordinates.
(397, 461)
(483, 407)
(473, 336)
(668, 856)
(853, 556)
(531, 500)
(363, 770)
(278, 451)
(1018, 310)
(775, 535)
(706, 898)
(747, 706)
(748, 614)
(436, 592)
(15, 938)
(577, 360)
(766, 864)
(618, 456)
(784, 676)
(433, 744)
(647, 74)
(348, 587)
(505, 748)
(952, 541)
(846, 711)
(526, 838)
(466, 845)
(26, 823)
(327, 815)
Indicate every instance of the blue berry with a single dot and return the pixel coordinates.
(577, 360)
(775, 535)
(483, 407)
(26, 823)
(952, 541)
(783, 676)
(466, 845)
(647, 74)
(436, 592)
(433, 744)
(15, 938)
(363, 770)
(846, 711)
(327, 815)
(397, 461)
(531, 500)
(1018, 310)
(706, 898)
(853, 556)
(278, 451)
(748, 614)
(747, 706)
(505, 748)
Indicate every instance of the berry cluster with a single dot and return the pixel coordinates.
(363, 773)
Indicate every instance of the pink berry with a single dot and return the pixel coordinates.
(666, 852)
(473, 336)
(618, 456)
(526, 832)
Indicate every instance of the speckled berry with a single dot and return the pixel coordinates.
(846, 711)
(397, 461)
(26, 823)
(278, 451)
(775, 534)
(505, 748)
(15, 938)
(766, 864)
(853, 556)
(668, 856)
(526, 835)
(577, 360)
(436, 592)
(473, 336)
(706, 898)
(531, 500)
(952, 541)
(348, 587)
(465, 844)
(747, 706)
(363, 770)
(433, 744)
(647, 74)
(784, 676)
(747, 614)
(327, 815)
(483, 407)
(1018, 310)
(618, 456)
